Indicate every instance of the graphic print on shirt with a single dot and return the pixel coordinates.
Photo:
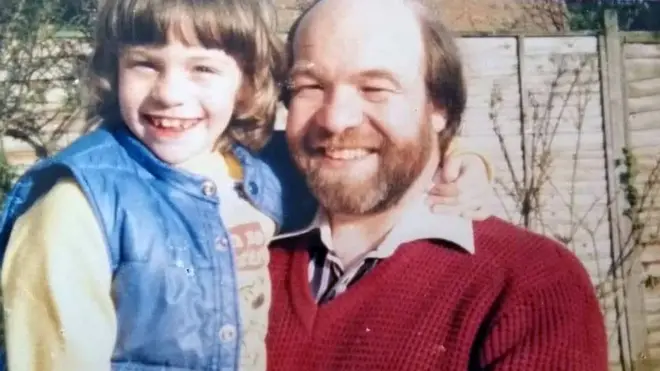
(249, 242)
(250, 245)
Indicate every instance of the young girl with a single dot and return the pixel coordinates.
(143, 245)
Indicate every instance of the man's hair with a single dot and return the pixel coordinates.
(243, 29)
(445, 82)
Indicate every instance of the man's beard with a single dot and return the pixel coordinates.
(362, 189)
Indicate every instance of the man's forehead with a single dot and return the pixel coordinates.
(340, 33)
(329, 59)
(306, 68)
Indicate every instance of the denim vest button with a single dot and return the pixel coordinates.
(227, 333)
(252, 188)
(208, 188)
(221, 243)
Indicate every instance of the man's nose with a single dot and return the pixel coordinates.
(341, 111)
(170, 89)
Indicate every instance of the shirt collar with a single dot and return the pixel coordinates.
(417, 222)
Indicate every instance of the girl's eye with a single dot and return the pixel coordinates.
(307, 87)
(205, 69)
(143, 64)
(373, 89)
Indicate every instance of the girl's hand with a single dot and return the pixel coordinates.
(463, 187)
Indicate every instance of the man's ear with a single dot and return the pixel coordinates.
(438, 119)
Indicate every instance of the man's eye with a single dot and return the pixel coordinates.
(376, 93)
(309, 88)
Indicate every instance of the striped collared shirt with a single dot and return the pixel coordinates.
(329, 278)
(327, 275)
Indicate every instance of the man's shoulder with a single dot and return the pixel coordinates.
(527, 256)
(495, 236)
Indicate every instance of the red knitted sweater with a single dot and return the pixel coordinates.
(522, 302)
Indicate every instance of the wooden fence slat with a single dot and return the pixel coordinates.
(629, 302)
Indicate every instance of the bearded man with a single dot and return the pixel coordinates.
(378, 282)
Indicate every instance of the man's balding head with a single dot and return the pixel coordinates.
(394, 17)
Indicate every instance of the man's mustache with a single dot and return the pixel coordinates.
(317, 141)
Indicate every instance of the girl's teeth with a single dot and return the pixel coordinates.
(346, 154)
(173, 123)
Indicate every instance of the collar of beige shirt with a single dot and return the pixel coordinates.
(417, 222)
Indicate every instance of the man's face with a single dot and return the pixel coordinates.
(360, 125)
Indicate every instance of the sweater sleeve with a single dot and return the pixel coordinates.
(553, 324)
(56, 280)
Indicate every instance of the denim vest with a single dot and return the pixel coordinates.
(173, 273)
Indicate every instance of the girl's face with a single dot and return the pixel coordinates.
(177, 99)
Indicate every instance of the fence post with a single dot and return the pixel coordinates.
(628, 296)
